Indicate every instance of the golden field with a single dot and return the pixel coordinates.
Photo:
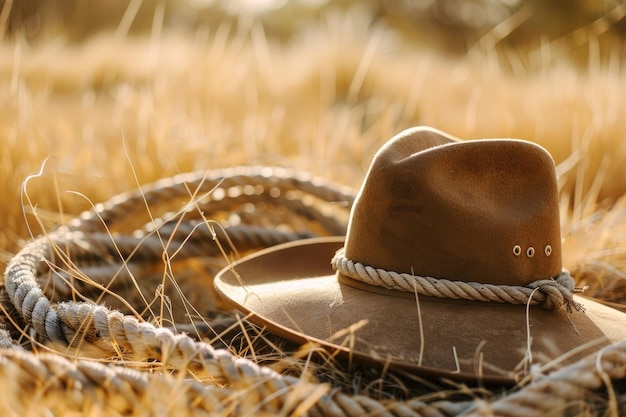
(98, 93)
(98, 99)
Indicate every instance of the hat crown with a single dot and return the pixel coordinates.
(483, 211)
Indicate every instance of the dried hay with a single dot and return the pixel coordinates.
(113, 111)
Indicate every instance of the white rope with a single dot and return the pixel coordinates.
(550, 293)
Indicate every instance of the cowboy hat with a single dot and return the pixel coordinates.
(451, 267)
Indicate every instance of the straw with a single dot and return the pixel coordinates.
(65, 350)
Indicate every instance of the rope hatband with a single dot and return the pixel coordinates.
(550, 294)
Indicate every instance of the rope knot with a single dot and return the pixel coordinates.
(552, 294)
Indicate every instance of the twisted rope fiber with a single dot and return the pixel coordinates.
(98, 260)
(143, 340)
(77, 384)
(163, 191)
(20, 276)
(244, 237)
(108, 333)
(74, 323)
(563, 388)
(286, 202)
(103, 271)
(548, 293)
(88, 244)
(77, 324)
(268, 208)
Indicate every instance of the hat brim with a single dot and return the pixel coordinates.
(292, 290)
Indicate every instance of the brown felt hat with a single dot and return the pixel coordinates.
(451, 267)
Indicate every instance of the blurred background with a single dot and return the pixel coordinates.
(113, 94)
(454, 26)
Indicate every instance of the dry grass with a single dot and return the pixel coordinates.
(131, 104)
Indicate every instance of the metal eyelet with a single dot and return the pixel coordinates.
(548, 250)
(517, 250)
(530, 252)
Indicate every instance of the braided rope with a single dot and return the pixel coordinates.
(163, 192)
(207, 381)
(103, 333)
(84, 246)
(74, 386)
(548, 293)
(565, 389)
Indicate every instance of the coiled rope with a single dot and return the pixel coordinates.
(249, 208)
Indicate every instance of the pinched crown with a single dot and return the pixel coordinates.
(484, 210)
